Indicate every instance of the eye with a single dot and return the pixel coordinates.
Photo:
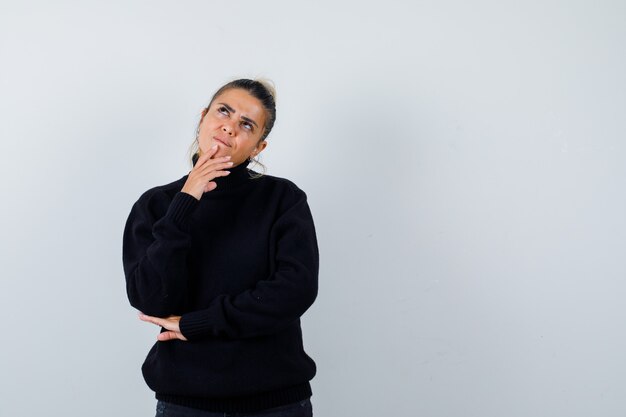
(223, 110)
(247, 126)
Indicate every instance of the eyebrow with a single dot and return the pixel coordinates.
(247, 119)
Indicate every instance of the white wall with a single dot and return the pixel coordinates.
(464, 163)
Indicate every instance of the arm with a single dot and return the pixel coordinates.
(276, 301)
(156, 246)
(155, 254)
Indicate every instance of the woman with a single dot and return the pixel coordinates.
(226, 261)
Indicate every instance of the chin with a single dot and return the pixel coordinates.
(221, 152)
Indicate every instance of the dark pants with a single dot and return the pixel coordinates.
(299, 409)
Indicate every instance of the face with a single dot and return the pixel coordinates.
(234, 122)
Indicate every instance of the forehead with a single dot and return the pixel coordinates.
(243, 103)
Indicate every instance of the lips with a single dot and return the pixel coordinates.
(222, 141)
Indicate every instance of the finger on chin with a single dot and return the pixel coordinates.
(205, 156)
(212, 151)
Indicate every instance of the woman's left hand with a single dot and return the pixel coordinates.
(170, 323)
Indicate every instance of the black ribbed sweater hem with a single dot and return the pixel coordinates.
(245, 404)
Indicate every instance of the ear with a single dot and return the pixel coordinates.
(259, 148)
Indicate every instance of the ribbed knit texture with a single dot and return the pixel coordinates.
(180, 207)
(240, 267)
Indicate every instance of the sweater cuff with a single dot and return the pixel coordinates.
(193, 325)
(181, 206)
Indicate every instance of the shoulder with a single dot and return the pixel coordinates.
(291, 202)
(157, 199)
(283, 188)
(279, 183)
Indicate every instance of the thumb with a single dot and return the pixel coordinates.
(165, 336)
(211, 185)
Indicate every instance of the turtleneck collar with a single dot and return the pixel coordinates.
(237, 175)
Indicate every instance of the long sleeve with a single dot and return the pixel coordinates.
(276, 301)
(155, 249)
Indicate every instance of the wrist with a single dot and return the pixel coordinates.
(186, 191)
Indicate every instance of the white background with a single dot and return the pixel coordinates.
(464, 162)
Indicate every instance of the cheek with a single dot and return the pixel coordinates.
(251, 143)
(205, 129)
(253, 138)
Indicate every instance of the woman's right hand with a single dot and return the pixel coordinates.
(201, 177)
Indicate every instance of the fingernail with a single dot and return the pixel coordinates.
(214, 146)
(230, 163)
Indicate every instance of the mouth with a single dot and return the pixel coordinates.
(222, 141)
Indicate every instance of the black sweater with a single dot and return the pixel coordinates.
(240, 266)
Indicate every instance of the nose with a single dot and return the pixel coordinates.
(227, 128)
